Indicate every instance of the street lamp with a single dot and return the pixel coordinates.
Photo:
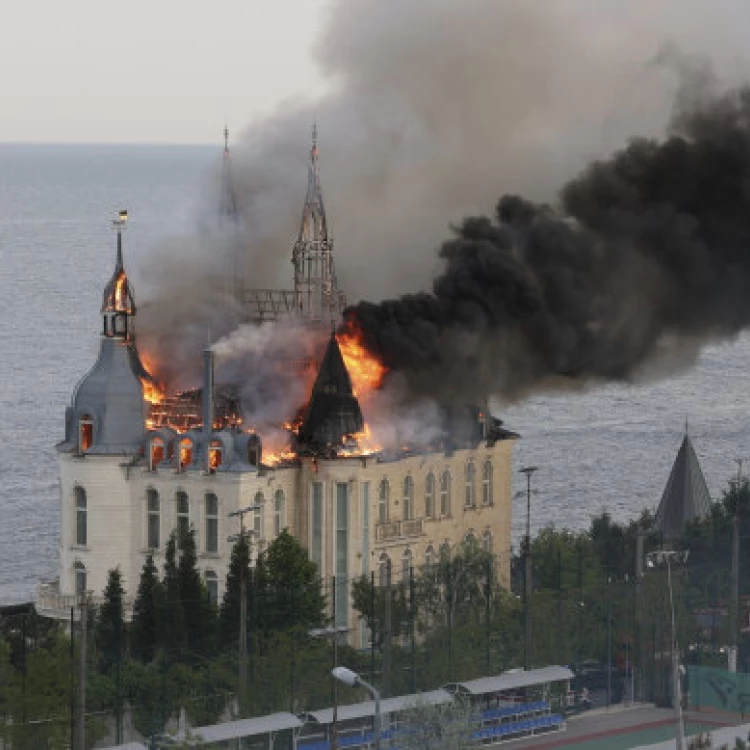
(352, 679)
(333, 632)
(652, 559)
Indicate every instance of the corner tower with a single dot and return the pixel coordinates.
(107, 413)
(316, 291)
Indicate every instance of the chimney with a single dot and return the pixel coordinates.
(207, 402)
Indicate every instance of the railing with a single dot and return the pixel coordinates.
(413, 527)
(51, 603)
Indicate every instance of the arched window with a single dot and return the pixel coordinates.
(157, 452)
(153, 521)
(85, 433)
(80, 575)
(212, 586)
(471, 478)
(487, 542)
(429, 496)
(383, 493)
(445, 493)
(408, 498)
(81, 518)
(429, 557)
(384, 570)
(182, 504)
(186, 453)
(487, 483)
(212, 523)
(406, 567)
(278, 512)
(215, 454)
(258, 516)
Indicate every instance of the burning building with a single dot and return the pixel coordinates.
(139, 461)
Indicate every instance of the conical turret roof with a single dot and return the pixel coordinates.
(333, 411)
(686, 495)
(118, 294)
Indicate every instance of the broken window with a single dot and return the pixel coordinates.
(215, 455)
(157, 452)
(186, 453)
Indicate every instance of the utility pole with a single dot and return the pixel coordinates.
(735, 608)
(639, 540)
(82, 675)
(528, 471)
(386, 677)
(242, 536)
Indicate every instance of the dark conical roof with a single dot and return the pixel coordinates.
(333, 411)
(686, 495)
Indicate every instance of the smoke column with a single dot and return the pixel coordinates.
(435, 109)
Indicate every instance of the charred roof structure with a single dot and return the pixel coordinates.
(686, 495)
(333, 412)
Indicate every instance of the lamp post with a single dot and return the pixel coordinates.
(333, 632)
(528, 471)
(654, 558)
(352, 679)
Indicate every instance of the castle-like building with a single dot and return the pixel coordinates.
(127, 481)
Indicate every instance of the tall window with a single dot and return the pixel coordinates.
(258, 516)
(85, 432)
(487, 483)
(153, 531)
(384, 570)
(186, 453)
(80, 574)
(212, 586)
(383, 492)
(81, 520)
(487, 542)
(183, 516)
(365, 528)
(445, 493)
(471, 478)
(408, 498)
(215, 454)
(429, 496)
(212, 523)
(406, 567)
(342, 553)
(157, 452)
(317, 526)
(278, 512)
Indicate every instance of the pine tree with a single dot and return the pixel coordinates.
(197, 611)
(171, 634)
(144, 629)
(110, 622)
(229, 612)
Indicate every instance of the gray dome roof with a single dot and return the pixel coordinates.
(112, 396)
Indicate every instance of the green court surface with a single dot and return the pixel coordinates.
(628, 740)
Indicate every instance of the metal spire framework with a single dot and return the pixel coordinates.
(315, 288)
(228, 200)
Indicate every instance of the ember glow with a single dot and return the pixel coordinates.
(365, 370)
(152, 391)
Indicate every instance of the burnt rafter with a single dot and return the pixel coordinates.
(333, 411)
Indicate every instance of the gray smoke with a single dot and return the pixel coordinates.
(435, 109)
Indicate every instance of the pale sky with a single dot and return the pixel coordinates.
(151, 71)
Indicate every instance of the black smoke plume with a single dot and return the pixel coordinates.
(646, 257)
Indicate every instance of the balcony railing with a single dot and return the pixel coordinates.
(51, 603)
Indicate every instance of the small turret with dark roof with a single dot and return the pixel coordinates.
(333, 411)
(686, 495)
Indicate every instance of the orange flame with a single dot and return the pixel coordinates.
(365, 370)
(152, 391)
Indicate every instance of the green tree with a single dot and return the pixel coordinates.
(229, 612)
(288, 586)
(197, 612)
(171, 618)
(110, 623)
(148, 601)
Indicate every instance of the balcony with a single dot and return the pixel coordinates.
(386, 532)
(51, 603)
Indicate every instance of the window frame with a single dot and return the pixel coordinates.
(384, 492)
(211, 518)
(429, 495)
(408, 510)
(153, 518)
(487, 483)
(470, 475)
(445, 493)
(82, 520)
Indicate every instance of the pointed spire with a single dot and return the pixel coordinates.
(228, 200)
(226, 139)
(118, 302)
(686, 495)
(314, 226)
